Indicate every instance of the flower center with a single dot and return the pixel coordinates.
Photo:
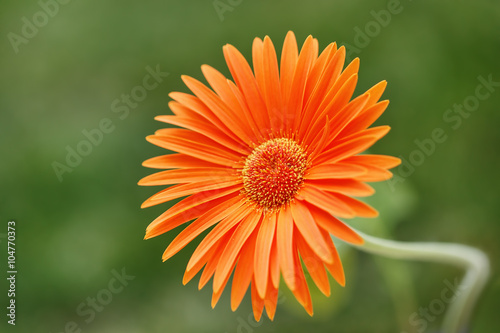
(274, 172)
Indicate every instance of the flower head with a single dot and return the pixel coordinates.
(269, 162)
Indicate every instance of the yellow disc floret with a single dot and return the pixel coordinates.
(274, 172)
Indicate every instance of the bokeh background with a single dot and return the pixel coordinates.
(74, 232)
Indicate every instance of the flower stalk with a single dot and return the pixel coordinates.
(474, 261)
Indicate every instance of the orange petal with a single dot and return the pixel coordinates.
(213, 261)
(376, 92)
(321, 141)
(257, 303)
(365, 119)
(314, 266)
(289, 56)
(346, 149)
(334, 226)
(378, 132)
(175, 161)
(308, 228)
(222, 86)
(296, 98)
(231, 252)
(274, 264)
(331, 105)
(380, 161)
(188, 209)
(336, 170)
(219, 108)
(190, 274)
(232, 249)
(321, 95)
(208, 130)
(301, 292)
(344, 186)
(263, 253)
(201, 224)
(250, 117)
(271, 299)
(244, 271)
(347, 73)
(374, 174)
(326, 202)
(319, 65)
(182, 190)
(284, 237)
(272, 91)
(258, 63)
(346, 115)
(194, 103)
(360, 208)
(192, 175)
(205, 151)
(335, 269)
(217, 232)
(337, 99)
(245, 80)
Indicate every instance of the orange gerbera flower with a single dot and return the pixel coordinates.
(270, 161)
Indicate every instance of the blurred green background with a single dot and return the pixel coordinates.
(72, 234)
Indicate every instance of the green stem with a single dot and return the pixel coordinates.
(474, 261)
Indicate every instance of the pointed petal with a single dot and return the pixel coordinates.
(213, 261)
(194, 103)
(321, 95)
(326, 201)
(225, 89)
(351, 145)
(245, 80)
(335, 269)
(272, 91)
(190, 274)
(232, 249)
(336, 170)
(190, 175)
(346, 115)
(301, 292)
(217, 232)
(365, 119)
(176, 161)
(314, 266)
(271, 299)
(308, 228)
(380, 161)
(336, 99)
(274, 264)
(304, 63)
(244, 271)
(219, 108)
(334, 226)
(344, 186)
(376, 92)
(182, 190)
(284, 237)
(257, 303)
(263, 252)
(360, 208)
(192, 145)
(316, 73)
(208, 130)
(289, 56)
(188, 209)
(204, 222)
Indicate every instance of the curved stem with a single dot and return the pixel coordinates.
(474, 261)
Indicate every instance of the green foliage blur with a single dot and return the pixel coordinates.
(76, 231)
